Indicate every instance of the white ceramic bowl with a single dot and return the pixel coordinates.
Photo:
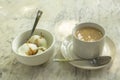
(38, 58)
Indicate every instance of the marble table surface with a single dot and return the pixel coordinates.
(59, 17)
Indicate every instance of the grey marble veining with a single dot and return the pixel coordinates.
(59, 17)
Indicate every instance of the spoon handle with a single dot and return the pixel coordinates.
(67, 60)
(39, 13)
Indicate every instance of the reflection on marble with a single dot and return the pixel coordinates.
(59, 17)
(64, 28)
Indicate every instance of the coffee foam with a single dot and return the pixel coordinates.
(89, 34)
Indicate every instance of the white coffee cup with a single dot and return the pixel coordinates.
(85, 49)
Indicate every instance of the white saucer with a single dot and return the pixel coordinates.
(66, 49)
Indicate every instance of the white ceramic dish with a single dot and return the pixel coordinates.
(38, 58)
(66, 49)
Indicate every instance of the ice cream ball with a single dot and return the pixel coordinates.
(38, 40)
(41, 49)
(28, 49)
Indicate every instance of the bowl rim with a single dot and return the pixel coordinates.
(48, 49)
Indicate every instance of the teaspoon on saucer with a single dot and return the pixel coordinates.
(98, 61)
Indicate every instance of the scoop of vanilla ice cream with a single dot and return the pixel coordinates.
(41, 49)
(38, 40)
(28, 48)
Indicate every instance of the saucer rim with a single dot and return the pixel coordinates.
(68, 38)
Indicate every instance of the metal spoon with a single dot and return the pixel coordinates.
(98, 61)
(39, 13)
